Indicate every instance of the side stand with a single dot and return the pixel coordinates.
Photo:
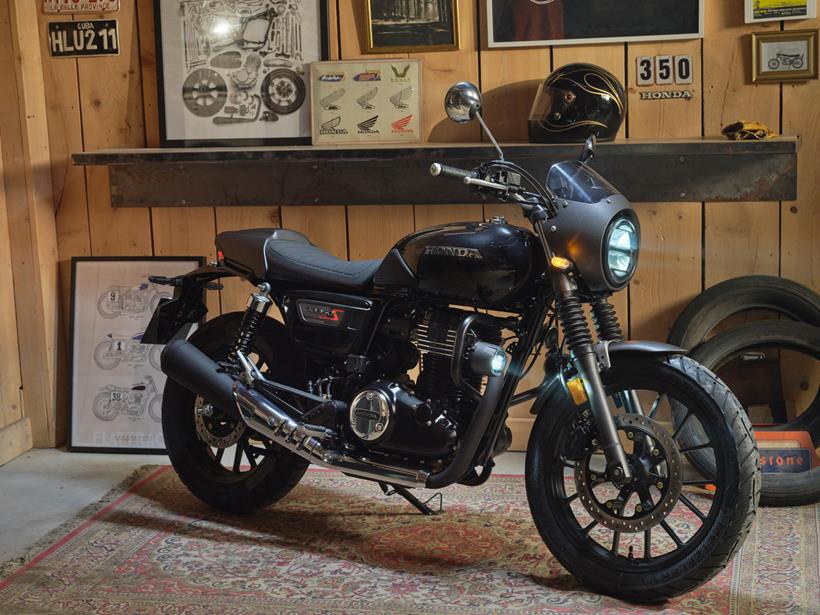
(422, 507)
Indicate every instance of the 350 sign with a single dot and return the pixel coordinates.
(664, 70)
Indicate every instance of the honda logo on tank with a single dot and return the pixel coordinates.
(80, 6)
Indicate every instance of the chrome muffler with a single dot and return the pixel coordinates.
(187, 365)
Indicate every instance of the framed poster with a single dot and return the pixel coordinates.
(116, 382)
(790, 55)
(234, 73)
(536, 23)
(366, 101)
(396, 26)
(777, 10)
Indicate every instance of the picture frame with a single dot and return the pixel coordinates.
(759, 11)
(229, 77)
(366, 101)
(408, 26)
(115, 381)
(543, 23)
(789, 55)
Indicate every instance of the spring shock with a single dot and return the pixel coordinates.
(574, 322)
(258, 305)
(606, 321)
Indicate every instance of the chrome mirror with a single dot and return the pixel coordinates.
(462, 102)
(588, 152)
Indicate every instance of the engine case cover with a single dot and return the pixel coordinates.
(388, 417)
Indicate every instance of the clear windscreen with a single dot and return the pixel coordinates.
(573, 181)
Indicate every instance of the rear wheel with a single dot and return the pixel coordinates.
(668, 530)
(216, 456)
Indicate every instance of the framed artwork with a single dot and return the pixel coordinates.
(789, 55)
(411, 25)
(778, 10)
(366, 101)
(235, 73)
(537, 23)
(116, 382)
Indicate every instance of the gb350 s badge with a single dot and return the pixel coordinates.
(466, 253)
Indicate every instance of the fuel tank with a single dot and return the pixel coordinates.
(475, 262)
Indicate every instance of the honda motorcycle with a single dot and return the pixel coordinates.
(472, 305)
(114, 349)
(132, 402)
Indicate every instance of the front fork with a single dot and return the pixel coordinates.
(585, 359)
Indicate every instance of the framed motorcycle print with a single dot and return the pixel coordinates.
(234, 72)
(790, 55)
(116, 382)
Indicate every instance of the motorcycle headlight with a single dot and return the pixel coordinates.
(621, 251)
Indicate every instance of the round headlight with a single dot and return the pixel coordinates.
(621, 251)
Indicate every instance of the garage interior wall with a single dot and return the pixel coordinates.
(111, 102)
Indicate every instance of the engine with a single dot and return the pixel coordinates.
(423, 419)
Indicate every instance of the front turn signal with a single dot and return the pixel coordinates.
(576, 390)
(559, 262)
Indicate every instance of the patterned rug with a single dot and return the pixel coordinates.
(337, 545)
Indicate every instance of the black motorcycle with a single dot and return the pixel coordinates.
(472, 305)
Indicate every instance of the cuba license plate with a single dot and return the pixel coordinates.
(93, 37)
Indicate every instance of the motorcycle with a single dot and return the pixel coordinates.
(472, 305)
(118, 300)
(112, 401)
(794, 61)
(109, 353)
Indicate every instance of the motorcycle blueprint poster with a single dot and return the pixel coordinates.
(116, 382)
(235, 71)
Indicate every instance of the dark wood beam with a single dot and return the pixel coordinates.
(645, 171)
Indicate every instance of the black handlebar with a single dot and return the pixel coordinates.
(442, 170)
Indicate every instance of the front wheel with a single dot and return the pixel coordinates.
(667, 530)
(774, 64)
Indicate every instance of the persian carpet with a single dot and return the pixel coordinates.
(337, 545)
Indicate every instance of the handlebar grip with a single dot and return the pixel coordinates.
(442, 170)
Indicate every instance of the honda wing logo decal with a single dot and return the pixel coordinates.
(366, 127)
(401, 125)
(330, 127)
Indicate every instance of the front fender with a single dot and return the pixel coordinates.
(187, 306)
(554, 390)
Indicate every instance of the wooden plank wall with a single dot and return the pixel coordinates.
(111, 102)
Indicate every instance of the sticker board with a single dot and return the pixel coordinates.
(366, 101)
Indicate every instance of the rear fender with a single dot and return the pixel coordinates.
(174, 317)
(554, 390)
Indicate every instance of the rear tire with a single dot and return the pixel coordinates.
(278, 472)
(723, 528)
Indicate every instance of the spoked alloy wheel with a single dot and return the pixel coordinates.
(283, 91)
(222, 461)
(667, 530)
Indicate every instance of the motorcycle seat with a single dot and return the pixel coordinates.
(282, 255)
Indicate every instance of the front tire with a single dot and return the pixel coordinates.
(596, 553)
(273, 472)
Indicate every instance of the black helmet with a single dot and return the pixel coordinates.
(576, 101)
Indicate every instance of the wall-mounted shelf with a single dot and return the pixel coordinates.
(645, 171)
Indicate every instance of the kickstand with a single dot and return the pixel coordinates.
(422, 507)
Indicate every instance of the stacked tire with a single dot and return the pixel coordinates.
(797, 329)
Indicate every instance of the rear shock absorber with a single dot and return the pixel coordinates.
(606, 321)
(258, 305)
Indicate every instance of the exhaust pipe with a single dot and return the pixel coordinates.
(185, 364)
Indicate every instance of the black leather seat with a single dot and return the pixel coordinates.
(284, 255)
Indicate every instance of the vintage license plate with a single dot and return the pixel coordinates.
(94, 37)
(80, 6)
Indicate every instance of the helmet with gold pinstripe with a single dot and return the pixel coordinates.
(576, 101)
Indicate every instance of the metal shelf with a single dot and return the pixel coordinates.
(690, 170)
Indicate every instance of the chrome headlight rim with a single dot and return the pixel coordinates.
(629, 219)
